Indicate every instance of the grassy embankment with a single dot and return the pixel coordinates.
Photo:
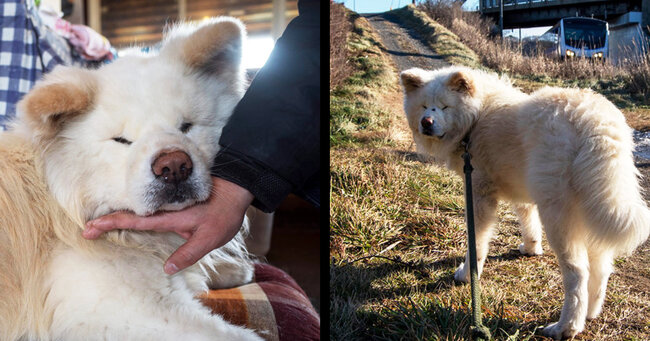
(397, 229)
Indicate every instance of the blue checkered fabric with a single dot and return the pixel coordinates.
(28, 48)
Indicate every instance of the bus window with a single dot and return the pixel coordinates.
(590, 34)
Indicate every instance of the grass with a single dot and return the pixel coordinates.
(397, 233)
(339, 28)
(354, 96)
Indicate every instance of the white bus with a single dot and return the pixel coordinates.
(577, 37)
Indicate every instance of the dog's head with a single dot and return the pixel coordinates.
(138, 134)
(440, 105)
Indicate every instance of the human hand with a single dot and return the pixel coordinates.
(206, 226)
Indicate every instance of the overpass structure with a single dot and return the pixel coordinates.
(534, 13)
(628, 20)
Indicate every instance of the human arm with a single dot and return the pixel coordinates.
(271, 143)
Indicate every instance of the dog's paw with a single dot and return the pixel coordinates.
(229, 275)
(593, 312)
(462, 273)
(560, 332)
(532, 249)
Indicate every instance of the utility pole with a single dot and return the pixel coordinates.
(501, 17)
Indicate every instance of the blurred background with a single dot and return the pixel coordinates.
(141, 22)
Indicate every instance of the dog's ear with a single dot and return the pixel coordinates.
(62, 95)
(412, 79)
(461, 82)
(214, 46)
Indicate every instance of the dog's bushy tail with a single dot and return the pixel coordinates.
(607, 183)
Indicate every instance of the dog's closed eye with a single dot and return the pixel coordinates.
(122, 140)
(185, 127)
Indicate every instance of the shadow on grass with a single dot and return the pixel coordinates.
(410, 156)
(402, 312)
(512, 254)
(355, 278)
(433, 320)
(410, 54)
(378, 307)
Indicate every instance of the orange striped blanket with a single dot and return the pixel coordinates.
(273, 305)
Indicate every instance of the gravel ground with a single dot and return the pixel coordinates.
(403, 45)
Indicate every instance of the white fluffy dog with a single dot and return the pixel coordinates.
(138, 134)
(562, 157)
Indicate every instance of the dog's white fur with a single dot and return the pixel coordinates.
(562, 157)
(61, 167)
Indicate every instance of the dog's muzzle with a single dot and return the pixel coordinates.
(427, 125)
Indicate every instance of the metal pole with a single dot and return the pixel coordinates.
(501, 17)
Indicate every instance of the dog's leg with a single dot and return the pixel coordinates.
(531, 229)
(600, 267)
(564, 234)
(485, 216)
(229, 266)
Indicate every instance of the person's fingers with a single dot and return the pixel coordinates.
(161, 222)
(190, 252)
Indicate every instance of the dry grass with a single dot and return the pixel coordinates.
(639, 77)
(340, 69)
(355, 96)
(397, 234)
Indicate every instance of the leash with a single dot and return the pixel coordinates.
(479, 331)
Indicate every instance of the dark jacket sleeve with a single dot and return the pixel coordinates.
(270, 145)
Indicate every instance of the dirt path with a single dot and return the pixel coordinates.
(403, 45)
(406, 51)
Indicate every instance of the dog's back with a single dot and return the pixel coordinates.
(601, 168)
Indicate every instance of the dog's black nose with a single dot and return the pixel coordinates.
(427, 122)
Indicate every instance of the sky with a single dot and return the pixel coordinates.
(374, 6)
